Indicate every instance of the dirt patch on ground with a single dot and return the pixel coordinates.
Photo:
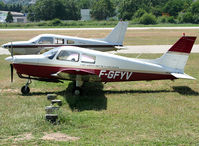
(27, 136)
(9, 90)
(59, 137)
(22, 137)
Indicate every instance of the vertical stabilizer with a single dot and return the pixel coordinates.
(116, 37)
(178, 54)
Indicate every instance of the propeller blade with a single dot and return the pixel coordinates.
(11, 72)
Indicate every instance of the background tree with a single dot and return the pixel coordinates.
(85, 4)
(2, 6)
(52, 9)
(9, 17)
(72, 12)
(127, 8)
(194, 9)
(173, 7)
(102, 9)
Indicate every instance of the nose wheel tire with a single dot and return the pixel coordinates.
(77, 91)
(25, 90)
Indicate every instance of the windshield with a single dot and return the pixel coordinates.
(50, 54)
(34, 39)
(45, 40)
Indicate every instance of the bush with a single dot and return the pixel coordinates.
(171, 19)
(163, 19)
(148, 19)
(196, 18)
(135, 21)
(55, 22)
(185, 17)
(139, 13)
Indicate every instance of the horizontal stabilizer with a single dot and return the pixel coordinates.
(120, 48)
(182, 76)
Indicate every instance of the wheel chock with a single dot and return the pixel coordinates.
(59, 102)
(51, 118)
(51, 96)
(51, 109)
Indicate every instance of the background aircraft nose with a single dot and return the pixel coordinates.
(10, 59)
(4, 46)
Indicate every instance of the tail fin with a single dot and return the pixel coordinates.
(178, 54)
(117, 35)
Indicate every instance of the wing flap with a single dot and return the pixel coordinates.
(71, 74)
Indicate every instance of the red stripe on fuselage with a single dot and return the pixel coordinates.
(43, 46)
(42, 71)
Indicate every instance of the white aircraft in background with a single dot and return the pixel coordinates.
(45, 42)
(83, 65)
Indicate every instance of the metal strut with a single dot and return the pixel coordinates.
(28, 82)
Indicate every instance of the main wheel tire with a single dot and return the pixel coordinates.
(25, 90)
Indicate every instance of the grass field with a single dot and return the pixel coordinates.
(83, 24)
(132, 37)
(150, 113)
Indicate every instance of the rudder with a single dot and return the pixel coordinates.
(116, 37)
(178, 54)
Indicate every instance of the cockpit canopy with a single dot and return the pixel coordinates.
(45, 39)
(69, 55)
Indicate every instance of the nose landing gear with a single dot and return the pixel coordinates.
(25, 89)
(77, 89)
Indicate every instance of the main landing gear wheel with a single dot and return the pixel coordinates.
(77, 91)
(25, 90)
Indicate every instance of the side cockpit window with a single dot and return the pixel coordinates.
(68, 56)
(59, 41)
(46, 40)
(87, 58)
(70, 42)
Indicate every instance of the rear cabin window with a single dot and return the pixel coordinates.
(68, 56)
(70, 42)
(59, 41)
(87, 58)
(45, 40)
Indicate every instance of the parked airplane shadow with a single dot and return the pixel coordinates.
(136, 91)
(92, 98)
(184, 90)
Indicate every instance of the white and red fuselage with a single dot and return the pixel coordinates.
(74, 63)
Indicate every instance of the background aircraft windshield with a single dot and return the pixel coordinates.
(46, 40)
(35, 39)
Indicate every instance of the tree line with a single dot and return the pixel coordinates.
(11, 7)
(137, 11)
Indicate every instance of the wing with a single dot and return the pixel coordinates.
(71, 74)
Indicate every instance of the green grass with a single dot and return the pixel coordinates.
(149, 113)
(83, 24)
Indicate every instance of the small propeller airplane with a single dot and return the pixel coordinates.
(45, 42)
(83, 65)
